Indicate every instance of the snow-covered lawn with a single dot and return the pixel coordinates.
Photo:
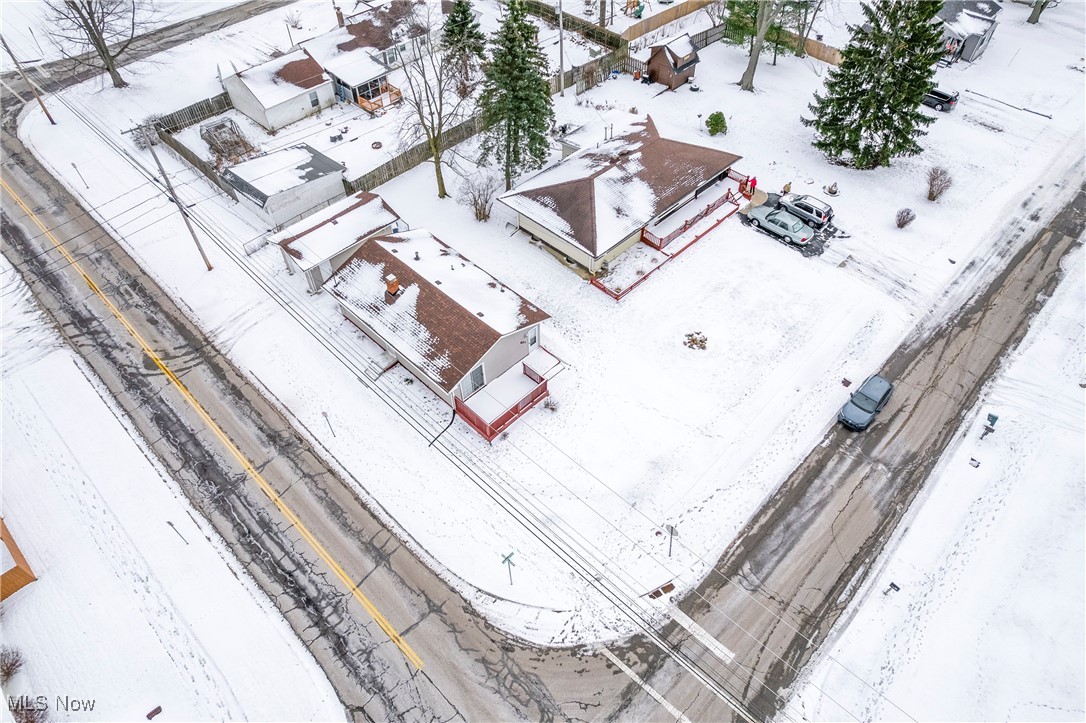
(988, 621)
(646, 432)
(137, 602)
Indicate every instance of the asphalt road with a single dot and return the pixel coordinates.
(785, 581)
(776, 593)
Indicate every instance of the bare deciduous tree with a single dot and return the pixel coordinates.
(478, 192)
(430, 91)
(938, 182)
(717, 11)
(11, 660)
(96, 33)
(805, 16)
(768, 12)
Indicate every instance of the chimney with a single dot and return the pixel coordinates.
(392, 285)
(339, 16)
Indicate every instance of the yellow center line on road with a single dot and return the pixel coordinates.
(245, 463)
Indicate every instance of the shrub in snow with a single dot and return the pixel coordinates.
(293, 18)
(904, 217)
(938, 182)
(696, 340)
(478, 193)
(11, 660)
(551, 405)
(30, 714)
(716, 123)
(144, 141)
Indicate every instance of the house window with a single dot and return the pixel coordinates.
(314, 101)
(473, 382)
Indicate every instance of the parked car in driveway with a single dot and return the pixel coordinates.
(781, 224)
(941, 99)
(813, 211)
(867, 401)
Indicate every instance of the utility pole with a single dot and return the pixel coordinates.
(561, 53)
(176, 200)
(26, 80)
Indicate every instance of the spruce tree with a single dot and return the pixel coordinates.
(516, 98)
(463, 39)
(870, 112)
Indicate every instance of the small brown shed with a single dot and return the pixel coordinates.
(672, 61)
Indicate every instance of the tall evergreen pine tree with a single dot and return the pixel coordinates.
(463, 39)
(516, 98)
(870, 112)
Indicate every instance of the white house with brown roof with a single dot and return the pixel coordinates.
(319, 244)
(280, 91)
(472, 340)
(608, 196)
(286, 185)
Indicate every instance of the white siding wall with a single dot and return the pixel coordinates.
(585, 259)
(558, 244)
(300, 106)
(302, 200)
(506, 353)
(627, 242)
(244, 100)
(316, 276)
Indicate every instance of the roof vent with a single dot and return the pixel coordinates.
(416, 256)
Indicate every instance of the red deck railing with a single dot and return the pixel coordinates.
(657, 242)
(490, 430)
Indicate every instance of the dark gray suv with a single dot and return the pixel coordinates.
(867, 401)
(941, 99)
(810, 210)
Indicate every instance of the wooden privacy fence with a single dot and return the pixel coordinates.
(196, 162)
(414, 156)
(587, 28)
(661, 19)
(191, 115)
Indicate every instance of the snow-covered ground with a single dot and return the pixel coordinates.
(122, 613)
(24, 24)
(987, 623)
(647, 432)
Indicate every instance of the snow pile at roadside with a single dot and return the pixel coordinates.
(987, 623)
(136, 604)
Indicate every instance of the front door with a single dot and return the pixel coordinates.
(533, 338)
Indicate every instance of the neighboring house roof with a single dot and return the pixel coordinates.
(283, 78)
(263, 177)
(449, 312)
(384, 25)
(601, 195)
(680, 50)
(969, 17)
(353, 66)
(333, 229)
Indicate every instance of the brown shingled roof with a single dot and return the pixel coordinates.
(375, 29)
(458, 338)
(671, 169)
(304, 73)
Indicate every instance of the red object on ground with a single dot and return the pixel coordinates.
(156, 711)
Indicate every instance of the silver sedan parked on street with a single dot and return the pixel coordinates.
(781, 224)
